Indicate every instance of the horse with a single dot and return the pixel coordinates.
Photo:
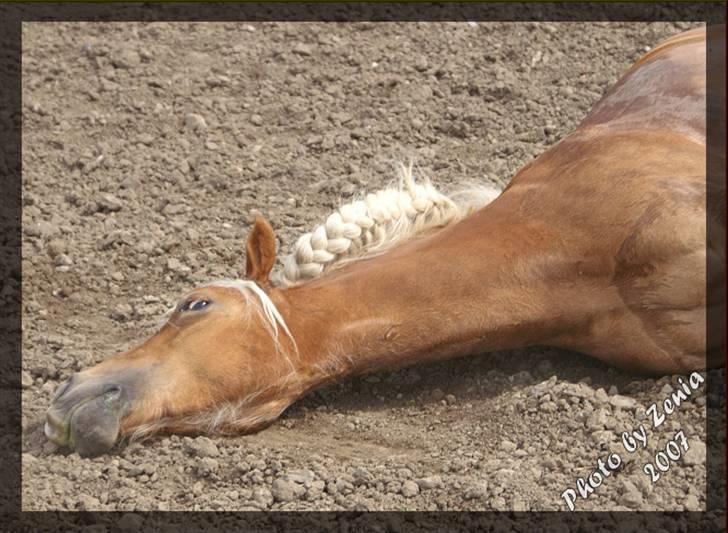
(597, 246)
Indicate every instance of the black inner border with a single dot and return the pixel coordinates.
(14, 14)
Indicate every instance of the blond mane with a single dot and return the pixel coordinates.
(373, 224)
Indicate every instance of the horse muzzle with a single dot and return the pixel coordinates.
(86, 413)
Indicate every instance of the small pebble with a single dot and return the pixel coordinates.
(623, 402)
(286, 491)
(302, 49)
(146, 138)
(429, 482)
(630, 495)
(410, 489)
(195, 122)
(201, 447)
(125, 58)
(108, 203)
(696, 453)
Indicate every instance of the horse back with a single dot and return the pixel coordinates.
(664, 91)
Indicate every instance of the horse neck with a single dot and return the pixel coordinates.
(479, 285)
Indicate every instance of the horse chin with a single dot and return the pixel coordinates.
(94, 427)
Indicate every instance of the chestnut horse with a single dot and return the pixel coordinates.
(597, 246)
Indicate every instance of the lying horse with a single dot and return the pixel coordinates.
(597, 246)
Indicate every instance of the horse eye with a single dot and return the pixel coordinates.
(194, 305)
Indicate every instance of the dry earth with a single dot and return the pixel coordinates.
(148, 147)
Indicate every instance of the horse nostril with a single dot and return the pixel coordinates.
(63, 388)
(113, 392)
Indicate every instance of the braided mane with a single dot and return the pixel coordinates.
(371, 225)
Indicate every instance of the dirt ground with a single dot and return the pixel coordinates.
(147, 148)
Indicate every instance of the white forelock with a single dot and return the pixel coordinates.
(267, 309)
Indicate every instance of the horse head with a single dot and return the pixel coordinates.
(221, 362)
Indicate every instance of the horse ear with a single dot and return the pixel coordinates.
(260, 251)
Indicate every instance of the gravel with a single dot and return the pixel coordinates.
(149, 150)
(623, 402)
(696, 454)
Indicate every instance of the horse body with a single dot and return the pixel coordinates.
(598, 246)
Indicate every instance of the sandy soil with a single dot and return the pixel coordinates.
(148, 147)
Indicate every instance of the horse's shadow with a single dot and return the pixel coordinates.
(469, 378)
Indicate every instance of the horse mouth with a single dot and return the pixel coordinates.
(91, 426)
(56, 430)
